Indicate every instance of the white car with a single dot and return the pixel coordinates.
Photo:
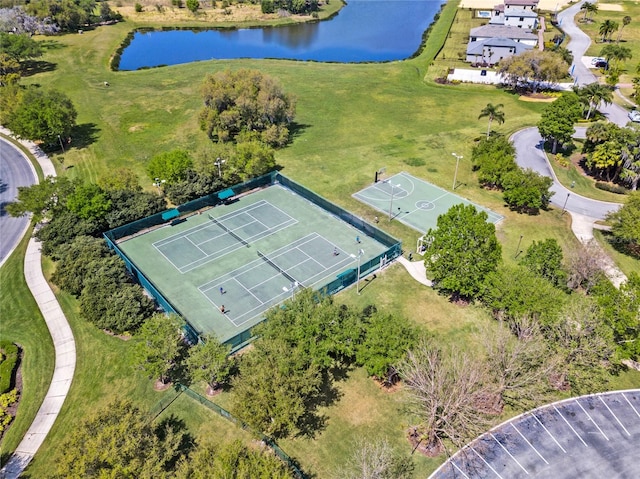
(634, 115)
(596, 60)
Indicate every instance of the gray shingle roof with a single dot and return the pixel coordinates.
(476, 48)
(502, 31)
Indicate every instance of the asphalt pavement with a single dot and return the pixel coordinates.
(15, 170)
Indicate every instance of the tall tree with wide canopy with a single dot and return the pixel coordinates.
(533, 67)
(246, 101)
(625, 223)
(493, 112)
(461, 251)
(159, 345)
(209, 361)
(558, 119)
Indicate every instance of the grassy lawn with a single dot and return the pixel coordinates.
(630, 34)
(351, 120)
(627, 263)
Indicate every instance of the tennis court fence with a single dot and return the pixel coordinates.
(343, 279)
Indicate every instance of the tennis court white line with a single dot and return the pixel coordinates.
(459, 470)
(634, 409)
(530, 445)
(616, 417)
(489, 465)
(510, 455)
(549, 433)
(189, 240)
(574, 431)
(591, 419)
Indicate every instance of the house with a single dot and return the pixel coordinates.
(490, 51)
(516, 34)
(516, 13)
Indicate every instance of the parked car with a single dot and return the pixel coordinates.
(595, 60)
(634, 115)
(602, 64)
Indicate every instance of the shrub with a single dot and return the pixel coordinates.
(138, 8)
(6, 400)
(7, 364)
(267, 6)
(620, 190)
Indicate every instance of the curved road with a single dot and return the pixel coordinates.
(15, 170)
(578, 44)
(529, 154)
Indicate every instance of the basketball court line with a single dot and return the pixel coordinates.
(215, 283)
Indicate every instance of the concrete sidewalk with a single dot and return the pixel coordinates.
(63, 342)
(416, 269)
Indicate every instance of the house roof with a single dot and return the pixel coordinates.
(477, 48)
(499, 8)
(502, 31)
(528, 3)
(519, 12)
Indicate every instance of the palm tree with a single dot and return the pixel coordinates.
(588, 7)
(625, 21)
(607, 28)
(494, 112)
(593, 94)
(616, 53)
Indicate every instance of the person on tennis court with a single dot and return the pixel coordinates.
(222, 309)
(335, 252)
(358, 239)
(222, 291)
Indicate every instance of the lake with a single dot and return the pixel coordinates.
(363, 31)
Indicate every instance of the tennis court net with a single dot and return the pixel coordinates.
(277, 268)
(227, 230)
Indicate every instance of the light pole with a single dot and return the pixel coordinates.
(219, 162)
(565, 204)
(359, 258)
(61, 145)
(455, 175)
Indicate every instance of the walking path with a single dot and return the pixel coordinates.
(63, 342)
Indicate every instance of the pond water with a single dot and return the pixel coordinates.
(363, 31)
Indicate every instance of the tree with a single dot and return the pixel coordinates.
(558, 118)
(533, 67)
(493, 112)
(69, 15)
(249, 101)
(607, 28)
(19, 47)
(626, 20)
(493, 158)
(275, 387)
(444, 390)
(231, 460)
(519, 361)
(387, 340)
(461, 251)
(544, 258)
(625, 224)
(120, 179)
(16, 20)
(585, 345)
(616, 54)
(193, 5)
(44, 200)
(513, 292)
(527, 190)
(592, 95)
(129, 205)
(170, 166)
(586, 266)
(209, 361)
(44, 116)
(89, 202)
(159, 345)
(589, 9)
(606, 158)
(376, 460)
(119, 441)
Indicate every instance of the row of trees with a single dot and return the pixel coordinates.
(524, 190)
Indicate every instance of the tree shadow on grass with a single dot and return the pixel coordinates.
(32, 67)
(312, 422)
(623, 247)
(296, 130)
(84, 135)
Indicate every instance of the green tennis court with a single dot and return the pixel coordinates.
(247, 255)
(414, 202)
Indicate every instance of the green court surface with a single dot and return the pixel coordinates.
(414, 202)
(247, 256)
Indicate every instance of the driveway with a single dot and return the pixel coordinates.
(15, 171)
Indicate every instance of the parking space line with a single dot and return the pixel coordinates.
(530, 445)
(574, 431)
(591, 419)
(489, 465)
(548, 432)
(616, 417)
(634, 409)
(510, 455)
(460, 470)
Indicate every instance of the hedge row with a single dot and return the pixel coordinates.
(8, 361)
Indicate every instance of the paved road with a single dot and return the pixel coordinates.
(594, 436)
(15, 170)
(529, 154)
(578, 45)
